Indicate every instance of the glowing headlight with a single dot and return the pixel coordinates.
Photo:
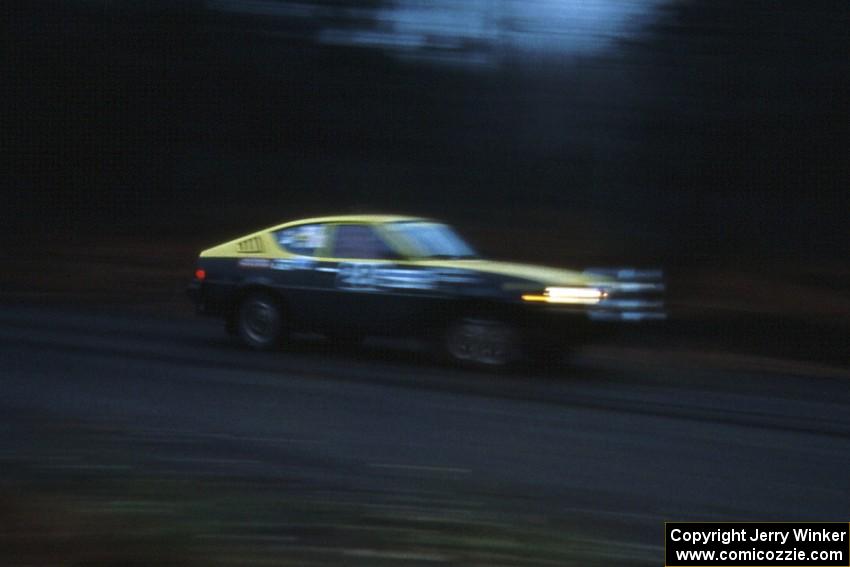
(575, 295)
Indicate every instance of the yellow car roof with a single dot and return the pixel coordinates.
(365, 218)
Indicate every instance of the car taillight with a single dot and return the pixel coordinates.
(200, 274)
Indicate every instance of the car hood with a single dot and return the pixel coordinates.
(526, 272)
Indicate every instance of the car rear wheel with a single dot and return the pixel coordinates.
(483, 343)
(259, 321)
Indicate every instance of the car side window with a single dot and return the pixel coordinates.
(359, 241)
(304, 240)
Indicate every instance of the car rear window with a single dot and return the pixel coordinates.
(304, 240)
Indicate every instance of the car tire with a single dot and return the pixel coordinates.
(260, 321)
(482, 343)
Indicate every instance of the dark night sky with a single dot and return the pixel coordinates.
(721, 127)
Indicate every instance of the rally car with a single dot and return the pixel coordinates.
(348, 277)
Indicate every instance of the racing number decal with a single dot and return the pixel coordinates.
(363, 276)
(356, 276)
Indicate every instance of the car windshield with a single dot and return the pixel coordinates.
(431, 240)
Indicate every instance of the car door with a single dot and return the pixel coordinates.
(362, 263)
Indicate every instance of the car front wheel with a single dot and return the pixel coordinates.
(259, 322)
(483, 343)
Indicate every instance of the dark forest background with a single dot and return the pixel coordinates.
(720, 130)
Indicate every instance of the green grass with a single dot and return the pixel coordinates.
(169, 522)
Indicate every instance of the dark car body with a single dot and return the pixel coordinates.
(351, 276)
